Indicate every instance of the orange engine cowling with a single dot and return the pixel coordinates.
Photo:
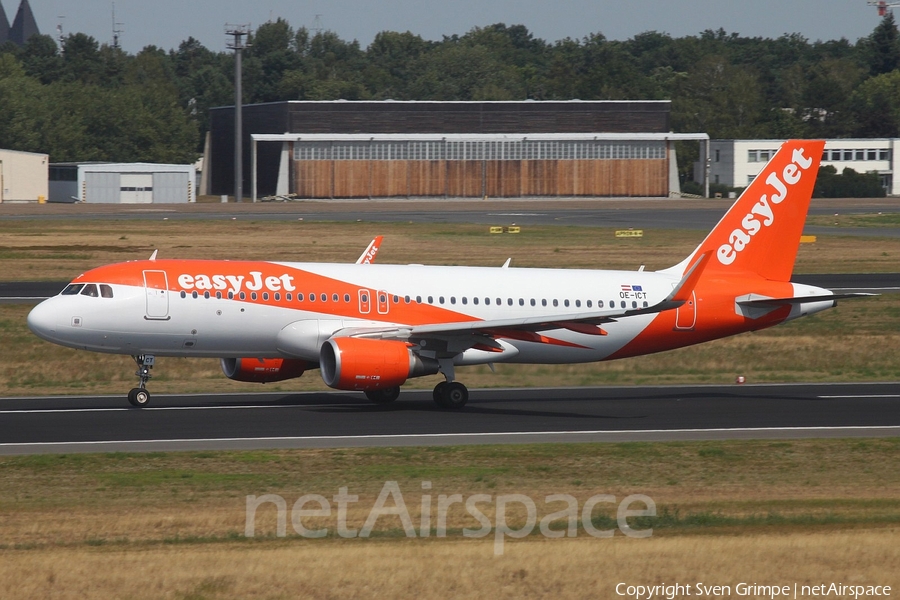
(361, 364)
(263, 370)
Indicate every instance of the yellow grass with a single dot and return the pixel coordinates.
(134, 499)
(534, 568)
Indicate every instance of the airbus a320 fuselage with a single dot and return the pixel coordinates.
(370, 327)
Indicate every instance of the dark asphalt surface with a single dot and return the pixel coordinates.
(505, 415)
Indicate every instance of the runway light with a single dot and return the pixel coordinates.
(740, 379)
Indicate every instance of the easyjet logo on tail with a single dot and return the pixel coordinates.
(762, 214)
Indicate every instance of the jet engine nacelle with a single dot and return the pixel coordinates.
(263, 370)
(362, 364)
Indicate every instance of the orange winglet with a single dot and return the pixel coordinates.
(368, 256)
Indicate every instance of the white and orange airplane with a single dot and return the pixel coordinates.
(370, 327)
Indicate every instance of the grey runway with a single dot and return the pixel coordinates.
(341, 419)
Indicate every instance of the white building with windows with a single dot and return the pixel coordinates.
(736, 162)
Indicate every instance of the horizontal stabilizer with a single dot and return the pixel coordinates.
(774, 302)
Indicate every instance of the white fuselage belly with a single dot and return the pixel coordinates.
(216, 327)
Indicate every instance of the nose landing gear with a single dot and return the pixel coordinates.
(139, 397)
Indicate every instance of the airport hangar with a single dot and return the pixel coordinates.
(419, 149)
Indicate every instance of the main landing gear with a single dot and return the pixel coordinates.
(139, 397)
(447, 394)
(385, 396)
(450, 394)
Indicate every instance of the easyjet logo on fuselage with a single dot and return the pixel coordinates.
(762, 214)
(235, 283)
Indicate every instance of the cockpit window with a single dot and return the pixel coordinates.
(105, 291)
(72, 289)
(90, 290)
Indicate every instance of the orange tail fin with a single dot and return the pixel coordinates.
(760, 233)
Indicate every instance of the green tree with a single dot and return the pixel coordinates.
(882, 47)
(393, 61)
(719, 98)
(876, 106)
(41, 59)
(81, 59)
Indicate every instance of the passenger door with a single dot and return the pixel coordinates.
(156, 286)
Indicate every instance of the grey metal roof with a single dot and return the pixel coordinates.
(423, 137)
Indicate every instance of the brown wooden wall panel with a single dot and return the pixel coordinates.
(602, 172)
(471, 179)
(540, 178)
(428, 178)
(503, 178)
(390, 178)
(464, 178)
(312, 179)
(565, 178)
(620, 177)
(351, 178)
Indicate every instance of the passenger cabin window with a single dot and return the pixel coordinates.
(90, 290)
(105, 291)
(72, 289)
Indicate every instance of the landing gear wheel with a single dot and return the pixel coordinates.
(385, 396)
(451, 394)
(139, 397)
(437, 394)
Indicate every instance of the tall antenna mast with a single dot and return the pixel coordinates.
(884, 7)
(317, 25)
(116, 28)
(238, 32)
(59, 33)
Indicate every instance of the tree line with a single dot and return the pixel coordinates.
(91, 101)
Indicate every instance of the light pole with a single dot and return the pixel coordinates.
(238, 32)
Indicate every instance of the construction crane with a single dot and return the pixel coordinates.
(883, 6)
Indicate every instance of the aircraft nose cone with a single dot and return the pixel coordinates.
(42, 320)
